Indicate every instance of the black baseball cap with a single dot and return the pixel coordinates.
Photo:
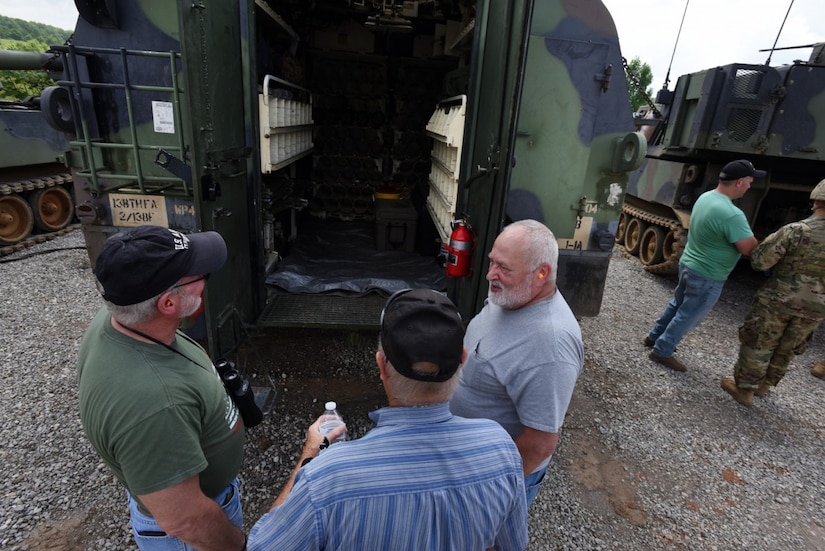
(140, 263)
(741, 168)
(422, 325)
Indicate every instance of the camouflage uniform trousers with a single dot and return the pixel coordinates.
(769, 340)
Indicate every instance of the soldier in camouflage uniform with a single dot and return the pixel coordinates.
(787, 308)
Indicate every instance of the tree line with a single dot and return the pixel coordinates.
(26, 36)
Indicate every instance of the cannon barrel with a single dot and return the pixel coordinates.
(17, 61)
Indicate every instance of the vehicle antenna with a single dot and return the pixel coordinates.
(768, 62)
(667, 77)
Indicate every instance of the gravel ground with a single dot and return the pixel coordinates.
(649, 458)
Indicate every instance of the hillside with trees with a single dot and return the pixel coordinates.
(26, 36)
(17, 29)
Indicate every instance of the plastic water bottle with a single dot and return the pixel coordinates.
(331, 419)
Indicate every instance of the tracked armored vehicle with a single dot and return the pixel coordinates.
(773, 116)
(36, 201)
(337, 145)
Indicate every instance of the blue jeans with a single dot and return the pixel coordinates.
(149, 536)
(532, 482)
(693, 298)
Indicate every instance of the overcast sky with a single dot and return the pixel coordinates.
(715, 32)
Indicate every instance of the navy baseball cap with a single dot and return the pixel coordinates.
(140, 263)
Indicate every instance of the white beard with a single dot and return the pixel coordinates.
(511, 297)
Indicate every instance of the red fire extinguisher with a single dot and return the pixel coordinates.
(460, 249)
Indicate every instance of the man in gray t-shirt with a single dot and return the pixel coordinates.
(525, 348)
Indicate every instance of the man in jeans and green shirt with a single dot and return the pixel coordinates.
(151, 402)
(719, 234)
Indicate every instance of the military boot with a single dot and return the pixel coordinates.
(818, 370)
(742, 395)
(763, 390)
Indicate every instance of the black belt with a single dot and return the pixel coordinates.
(226, 499)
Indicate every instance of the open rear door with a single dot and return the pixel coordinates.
(499, 51)
(549, 136)
(212, 53)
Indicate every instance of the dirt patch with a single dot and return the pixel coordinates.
(731, 477)
(68, 534)
(606, 481)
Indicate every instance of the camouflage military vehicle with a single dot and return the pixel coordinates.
(772, 116)
(35, 185)
(320, 136)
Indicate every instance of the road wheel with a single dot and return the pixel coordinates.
(53, 208)
(669, 245)
(633, 235)
(16, 219)
(622, 229)
(650, 249)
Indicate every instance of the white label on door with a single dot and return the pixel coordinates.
(163, 116)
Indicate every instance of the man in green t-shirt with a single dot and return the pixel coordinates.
(718, 235)
(151, 402)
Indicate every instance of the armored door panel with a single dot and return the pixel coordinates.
(556, 153)
(496, 71)
(212, 47)
(574, 118)
(795, 129)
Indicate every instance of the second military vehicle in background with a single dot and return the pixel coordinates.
(773, 116)
(36, 200)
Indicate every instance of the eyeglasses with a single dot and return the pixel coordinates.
(204, 277)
